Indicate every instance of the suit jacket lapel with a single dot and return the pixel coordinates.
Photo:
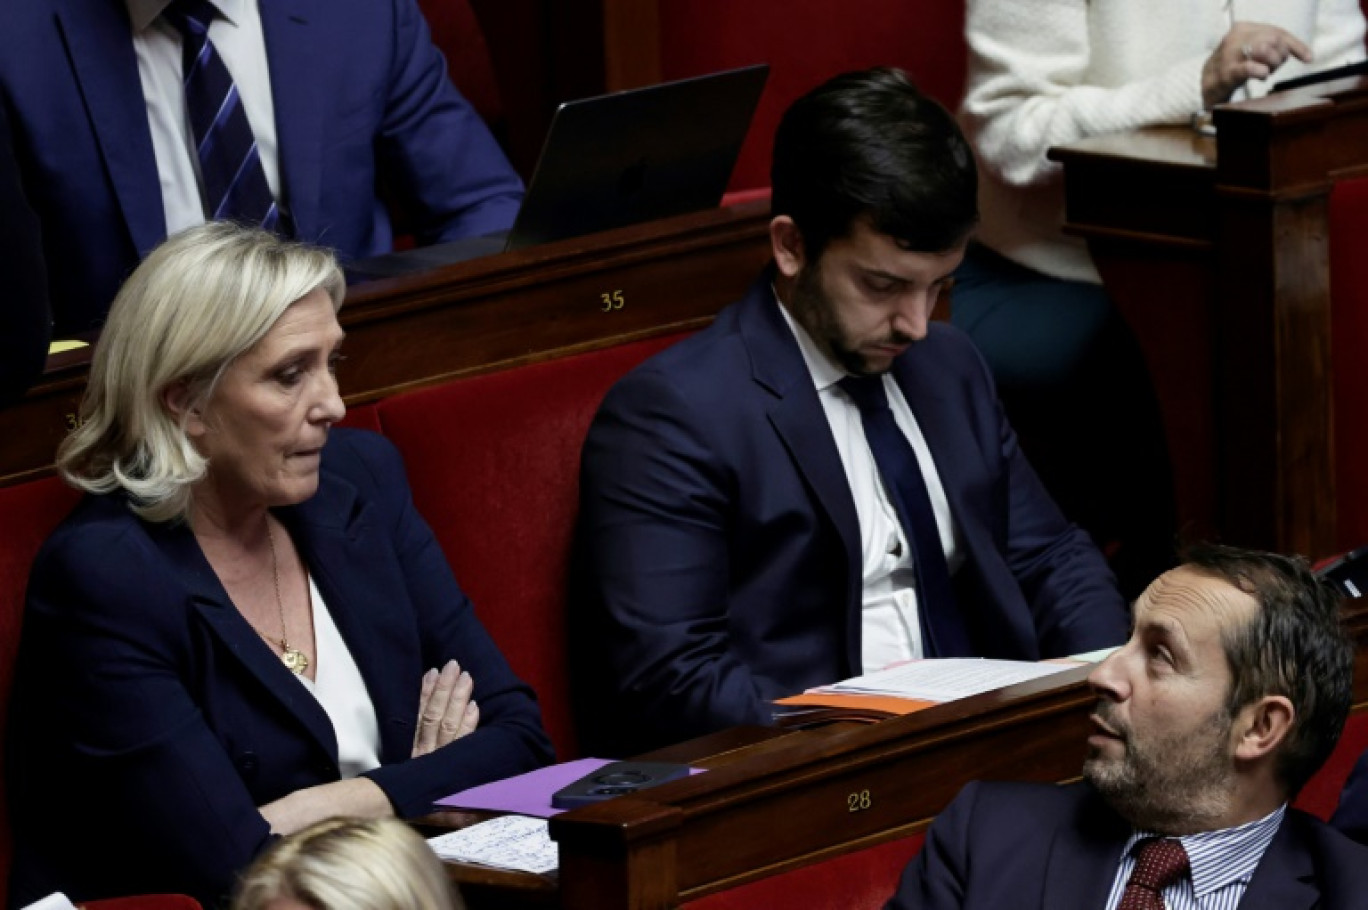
(333, 532)
(796, 413)
(1084, 857)
(208, 598)
(298, 59)
(100, 45)
(1285, 878)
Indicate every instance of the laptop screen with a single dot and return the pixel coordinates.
(638, 155)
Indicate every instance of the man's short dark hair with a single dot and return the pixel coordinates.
(1296, 647)
(870, 145)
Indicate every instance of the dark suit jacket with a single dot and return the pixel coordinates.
(719, 562)
(1029, 846)
(25, 324)
(149, 720)
(361, 97)
(1351, 816)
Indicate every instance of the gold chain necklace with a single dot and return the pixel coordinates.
(294, 659)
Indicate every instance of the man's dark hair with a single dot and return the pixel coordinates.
(1296, 647)
(870, 145)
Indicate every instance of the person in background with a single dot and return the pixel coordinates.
(822, 482)
(139, 118)
(1230, 694)
(348, 864)
(1069, 370)
(25, 322)
(245, 626)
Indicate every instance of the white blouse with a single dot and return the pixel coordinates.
(339, 688)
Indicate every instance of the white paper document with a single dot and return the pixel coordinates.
(944, 679)
(508, 842)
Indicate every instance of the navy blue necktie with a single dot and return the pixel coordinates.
(943, 631)
(233, 182)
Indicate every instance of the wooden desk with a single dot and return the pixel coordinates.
(776, 800)
(1217, 252)
(483, 315)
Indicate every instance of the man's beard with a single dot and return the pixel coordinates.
(1166, 783)
(810, 305)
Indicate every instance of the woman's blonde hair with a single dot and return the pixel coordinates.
(200, 300)
(349, 864)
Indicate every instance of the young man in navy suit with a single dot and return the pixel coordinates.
(1229, 695)
(749, 529)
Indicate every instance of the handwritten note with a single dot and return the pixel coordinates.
(508, 842)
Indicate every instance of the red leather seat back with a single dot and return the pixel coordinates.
(494, 465)
(1321, 793)
(806, 42)
(863, 880)
(28, 514)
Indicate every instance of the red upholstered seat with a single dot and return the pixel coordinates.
(864, 879)
(28, 513)
(1321, 793)
(806, 42)
(145, 902)
(362, 417)
(494, 465)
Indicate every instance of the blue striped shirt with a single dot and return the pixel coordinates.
(1222, 861)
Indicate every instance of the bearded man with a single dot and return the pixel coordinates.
(822, 482)
(1229, 695)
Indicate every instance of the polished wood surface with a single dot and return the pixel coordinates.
(1216, 250)
(484, 314)
(775, 800)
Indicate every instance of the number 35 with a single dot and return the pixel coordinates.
(613, 301)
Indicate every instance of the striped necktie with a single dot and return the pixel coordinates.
(232, 181)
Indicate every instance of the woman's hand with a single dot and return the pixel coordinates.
(446, 712)
(1250, 50)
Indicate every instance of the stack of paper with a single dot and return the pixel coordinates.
(508, 842)
(908, 687)
(945, 679)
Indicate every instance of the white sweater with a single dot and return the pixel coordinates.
(1047, 72)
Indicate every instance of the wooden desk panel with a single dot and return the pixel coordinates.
(483, 315)
(1217, 252)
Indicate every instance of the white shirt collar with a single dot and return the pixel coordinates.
(142, 13)
(825, 373)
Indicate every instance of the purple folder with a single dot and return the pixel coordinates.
(526, 794)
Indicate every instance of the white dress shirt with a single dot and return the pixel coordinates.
(237, 36)
(339, 688)
(889, 628)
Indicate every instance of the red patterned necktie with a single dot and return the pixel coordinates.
(1159, 863)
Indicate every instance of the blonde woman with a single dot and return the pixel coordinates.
(245, 627)
(348, 864)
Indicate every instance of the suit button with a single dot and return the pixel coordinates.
(248, 765)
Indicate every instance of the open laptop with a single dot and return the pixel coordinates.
(615, 160)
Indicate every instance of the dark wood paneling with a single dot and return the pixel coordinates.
(1217, 252)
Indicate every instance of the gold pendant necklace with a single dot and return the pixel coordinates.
(295, 660)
